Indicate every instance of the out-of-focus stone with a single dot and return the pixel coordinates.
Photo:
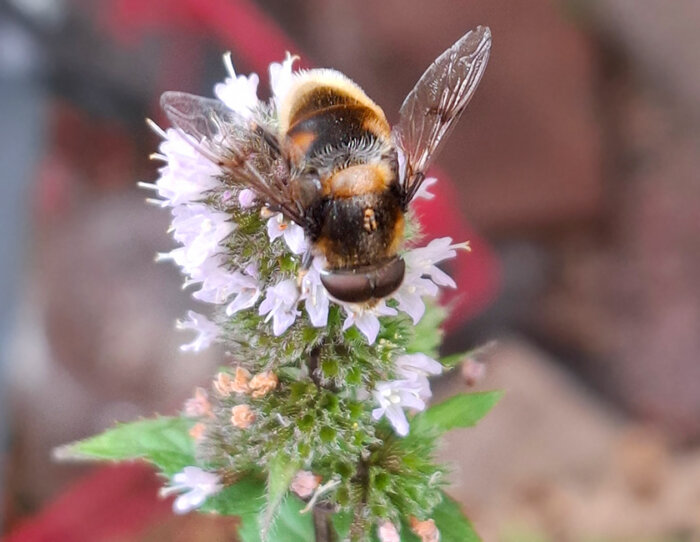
(554, 461)
(628, 296)
(527, 150)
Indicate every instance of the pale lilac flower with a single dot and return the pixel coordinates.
(281, 78)
(411, 292)
(200, 230)
(280, 304)
(187, 174)
(423, 277)
(218, 284)
(366, 317)
(291, 232)
(387, 532)
(417, 367)
(248, 292)
(393, 397)
(195, 486)
(314, 294)
(246, 198)
(238, 92)
(424, 189)
(422, 260)
(207, 331)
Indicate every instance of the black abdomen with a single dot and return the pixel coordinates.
(361, 230)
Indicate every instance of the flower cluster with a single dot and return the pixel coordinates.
(245, 260)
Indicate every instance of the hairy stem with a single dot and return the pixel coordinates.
(359, 520)
(323, 526)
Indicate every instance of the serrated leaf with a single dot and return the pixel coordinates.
(427, 334)
(463, 410)
(289, 524)
(281, 471)
(341, 524)
(453, 524)
(163, 441)
(244, 498)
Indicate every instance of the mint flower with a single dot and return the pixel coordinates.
(206, 330)
(238, 92)
(393, 397)
(280, 305)
(206, 215)
(366, 317)
(416, 368)
(197, 485)
(292, 233)
(314, 399)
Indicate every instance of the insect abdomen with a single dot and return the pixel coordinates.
(361, 230)
(326, 110)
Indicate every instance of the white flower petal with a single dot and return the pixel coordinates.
(187, 175)
(424, 190)
(207, 331)
(197, 485)
(281, 77)
(238, 92)
(418, 363)
(392, 396)
(246, 198)
(295, 238)
(280, 305)
(368, 324)
(397, 418)
(243, 300)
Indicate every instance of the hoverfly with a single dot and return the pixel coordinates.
(328, 160)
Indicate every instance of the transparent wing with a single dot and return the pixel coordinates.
(431, 110)
(230, 141)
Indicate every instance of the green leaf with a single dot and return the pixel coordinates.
(451, 361)
(463, 410)
(427, 334)
(281, 472)
(453, 524)
(289, 524)
(244, 498)
(164, 441)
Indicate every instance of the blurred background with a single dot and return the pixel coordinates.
(575, 172)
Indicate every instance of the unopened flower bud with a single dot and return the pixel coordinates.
(199, 405)
(246, 198)
(426, 530)
(242, 416)
(305, 483)
(240, 381)
(387, 532)
(263, 383)
(197, 431)
(473, 371)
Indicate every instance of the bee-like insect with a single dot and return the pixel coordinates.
(328, 159)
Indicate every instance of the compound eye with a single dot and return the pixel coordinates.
(388, 278)
(348, 286)
(365, 283)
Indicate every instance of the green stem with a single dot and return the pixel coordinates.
(323, 526)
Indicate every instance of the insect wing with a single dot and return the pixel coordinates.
(218, 134)
(203, 120)
(431, 110)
